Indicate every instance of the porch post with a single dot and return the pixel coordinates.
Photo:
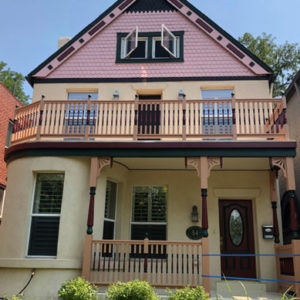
(291, 187)
(273, 189)
(204, 165)
(97, 164)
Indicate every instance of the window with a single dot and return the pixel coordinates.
(149, 213)
(76, 114)
(46, 214)
(9, 132)
(2, 194)
(164, 46)
(217, 117)
(110, 210)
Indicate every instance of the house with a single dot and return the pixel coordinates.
(292, 95)
(8, 104)
(150, 151)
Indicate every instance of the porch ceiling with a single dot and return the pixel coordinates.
(179, 163)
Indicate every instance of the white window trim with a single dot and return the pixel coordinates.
(124, 46)
(116, 207)
(34, 215)
(156, 39)
(164, 28)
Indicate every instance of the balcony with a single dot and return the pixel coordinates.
(190, 120)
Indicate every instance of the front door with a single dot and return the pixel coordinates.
(237, 237)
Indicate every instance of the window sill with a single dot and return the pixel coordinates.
(45, 262)
(148, 60)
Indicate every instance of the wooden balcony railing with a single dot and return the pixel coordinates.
(161, 263)
(288, 266)
(178, 119)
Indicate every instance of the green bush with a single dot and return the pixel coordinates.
(133, 290)
(188, 293)
(77, 289)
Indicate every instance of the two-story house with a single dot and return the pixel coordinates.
(8, 104)
(150, 151)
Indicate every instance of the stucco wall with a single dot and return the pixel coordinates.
(183, 193)
(243, 89)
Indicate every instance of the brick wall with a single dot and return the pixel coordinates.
(7, 110)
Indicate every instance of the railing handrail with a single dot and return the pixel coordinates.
(149, 242)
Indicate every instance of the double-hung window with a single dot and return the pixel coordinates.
(110, 210)
(217, 115)
(76, 114)
(163, 46)
(46, 214)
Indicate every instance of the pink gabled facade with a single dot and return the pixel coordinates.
(203, 56)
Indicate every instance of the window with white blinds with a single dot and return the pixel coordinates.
(149, 212)
(46, 214)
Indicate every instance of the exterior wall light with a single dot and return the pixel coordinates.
(116, 95)
(181, 95)
(195, 214)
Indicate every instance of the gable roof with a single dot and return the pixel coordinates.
(183, 6)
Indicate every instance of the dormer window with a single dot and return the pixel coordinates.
(136, 47)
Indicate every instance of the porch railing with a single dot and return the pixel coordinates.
(177, 119)
(288, 266)
(161, 263)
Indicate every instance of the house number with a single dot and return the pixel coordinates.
(194, 233)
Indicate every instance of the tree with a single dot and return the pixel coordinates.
(14, 82)
(284, 59)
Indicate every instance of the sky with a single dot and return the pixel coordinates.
(29, 29)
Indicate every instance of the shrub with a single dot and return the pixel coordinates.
(188, 293)
(133, 290)
(77, 289)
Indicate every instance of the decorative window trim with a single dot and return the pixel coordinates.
(149, 36)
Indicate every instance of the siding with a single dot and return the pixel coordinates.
(203, 56)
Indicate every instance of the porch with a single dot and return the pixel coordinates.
(236, 119)
(178, 261)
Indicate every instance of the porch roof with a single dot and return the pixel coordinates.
(153, 149)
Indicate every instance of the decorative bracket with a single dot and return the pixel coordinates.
(280, 163)
(97, 164)
(203, 166)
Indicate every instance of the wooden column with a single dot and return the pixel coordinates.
(273, 190)
(291, 187)
(97, 164)
(286, 164)
(204, 165)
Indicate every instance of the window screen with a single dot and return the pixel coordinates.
(110, 210)
(82, 96)
(46, 215)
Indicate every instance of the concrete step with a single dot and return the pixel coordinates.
(253, 289)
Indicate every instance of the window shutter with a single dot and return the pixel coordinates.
(168, 40)
(131, 42)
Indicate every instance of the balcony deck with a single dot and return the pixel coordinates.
(194, 120)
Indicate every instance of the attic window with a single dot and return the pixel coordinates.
(136, 47)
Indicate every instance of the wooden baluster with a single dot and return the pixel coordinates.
(185, 119)
(235, 117)
(252, 130)
(38, 133)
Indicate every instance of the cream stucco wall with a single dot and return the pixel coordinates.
(243, 89)
(183, 193)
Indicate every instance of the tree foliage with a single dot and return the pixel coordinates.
(14, 82)
(284, 59)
